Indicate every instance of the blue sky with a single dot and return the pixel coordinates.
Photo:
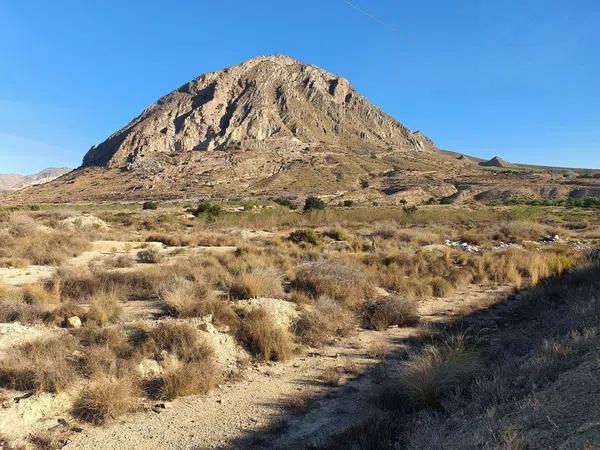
(517, 78)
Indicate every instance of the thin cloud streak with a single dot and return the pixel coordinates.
(369, 15)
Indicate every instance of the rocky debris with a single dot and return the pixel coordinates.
(74, 322)
(503, 246)
(85, 222)
(463, 245)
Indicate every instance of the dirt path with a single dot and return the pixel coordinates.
(236, 414)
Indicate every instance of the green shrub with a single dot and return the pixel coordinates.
(150, 205)
(208, 209)
(337, 234)
(283, 201)
(308, 236)
(313, 203)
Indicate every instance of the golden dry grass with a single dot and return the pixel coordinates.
(382, 312)
(39, 365)
(434, 373)
(187, 379)
(105, 307)
(104, 399)
(263, 337)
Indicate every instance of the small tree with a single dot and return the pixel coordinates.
(312, 203)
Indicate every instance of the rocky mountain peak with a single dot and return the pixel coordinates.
(268, 103)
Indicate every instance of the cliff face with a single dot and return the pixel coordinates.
(264, 104)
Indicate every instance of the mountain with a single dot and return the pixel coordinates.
(274, 126)
(264, 104)
(11, 181)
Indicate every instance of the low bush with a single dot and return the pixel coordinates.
(150, 255)
(104, 399)
(337, 234)
(150, 205)
(188, 379)
(382, 312)
(208, 210)
(263, 337)
(313, 203)
(287, 202)
(308, 236)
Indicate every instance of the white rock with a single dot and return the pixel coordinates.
(74, 322)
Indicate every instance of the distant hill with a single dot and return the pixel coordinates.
(10, 182)
(496, 161)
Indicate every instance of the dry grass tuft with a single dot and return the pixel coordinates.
(322, 320)
(300, 401)
(332, 376)
(263, 338)
(39, 365)
(379, 350)
(104, 399)
(380, 313)
(441, 287)
(183, 298)
(345, 283)
(188, 379)
(437, 371)
(259, 282)
(104, 308)
(181, 340)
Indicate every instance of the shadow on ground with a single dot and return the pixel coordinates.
(334, 409)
